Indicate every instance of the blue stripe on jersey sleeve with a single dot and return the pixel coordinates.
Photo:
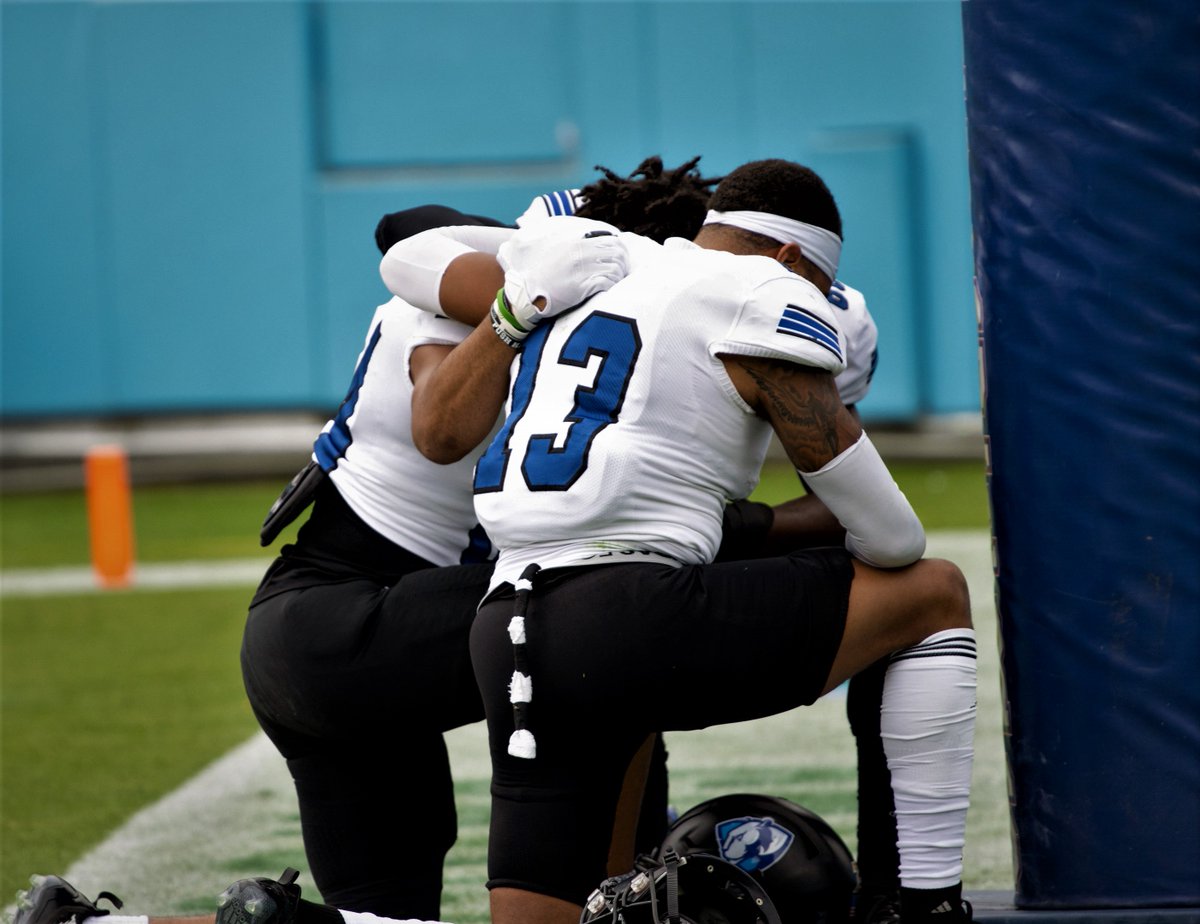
(796, 322)
(560, 202)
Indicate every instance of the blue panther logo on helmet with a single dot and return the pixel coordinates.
(751, 843)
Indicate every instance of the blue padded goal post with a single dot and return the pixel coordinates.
(1084, 140)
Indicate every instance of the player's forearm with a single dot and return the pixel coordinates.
(455, 407)
(750, 529)
(803, 522)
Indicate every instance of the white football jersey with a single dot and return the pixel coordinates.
(624, 436)
(368, 451)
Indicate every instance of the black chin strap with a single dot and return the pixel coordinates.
(671, 861)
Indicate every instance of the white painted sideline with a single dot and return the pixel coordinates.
(41, 582)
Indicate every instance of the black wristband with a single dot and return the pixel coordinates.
(744, 528)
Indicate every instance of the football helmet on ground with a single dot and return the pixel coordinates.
(801, 862)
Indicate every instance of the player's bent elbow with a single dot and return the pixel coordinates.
(442, 453)
(893, 548)
(438, 446)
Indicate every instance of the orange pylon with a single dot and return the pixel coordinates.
(110, 515)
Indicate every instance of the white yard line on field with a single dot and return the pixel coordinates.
(41, 582)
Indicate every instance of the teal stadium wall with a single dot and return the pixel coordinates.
(190, 189)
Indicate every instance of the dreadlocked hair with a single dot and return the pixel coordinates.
(779, 187)
(653, 202)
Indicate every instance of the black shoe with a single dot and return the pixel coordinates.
(260, 901)
(940, 906)
(53, 900)
(877, 907)
(959, 912)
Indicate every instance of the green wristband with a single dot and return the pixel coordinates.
(501, 328)
(506, 313)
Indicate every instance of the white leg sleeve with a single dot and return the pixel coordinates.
(928, 726)
(365, 917)
(118, 919)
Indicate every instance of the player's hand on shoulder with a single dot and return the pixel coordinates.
(554, 266)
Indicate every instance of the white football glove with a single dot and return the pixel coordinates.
(562, 262)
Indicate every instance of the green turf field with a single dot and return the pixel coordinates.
(172, 523)
(109, 701)
(221, 520)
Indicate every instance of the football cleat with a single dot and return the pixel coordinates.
(53, 900)
(260, 901)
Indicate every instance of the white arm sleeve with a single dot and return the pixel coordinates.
(412, 268)
(881, 527)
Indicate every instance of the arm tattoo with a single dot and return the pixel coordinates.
(804, 409)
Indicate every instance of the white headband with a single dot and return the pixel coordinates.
(820, 245)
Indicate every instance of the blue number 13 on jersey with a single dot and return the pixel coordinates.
(545, 468)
